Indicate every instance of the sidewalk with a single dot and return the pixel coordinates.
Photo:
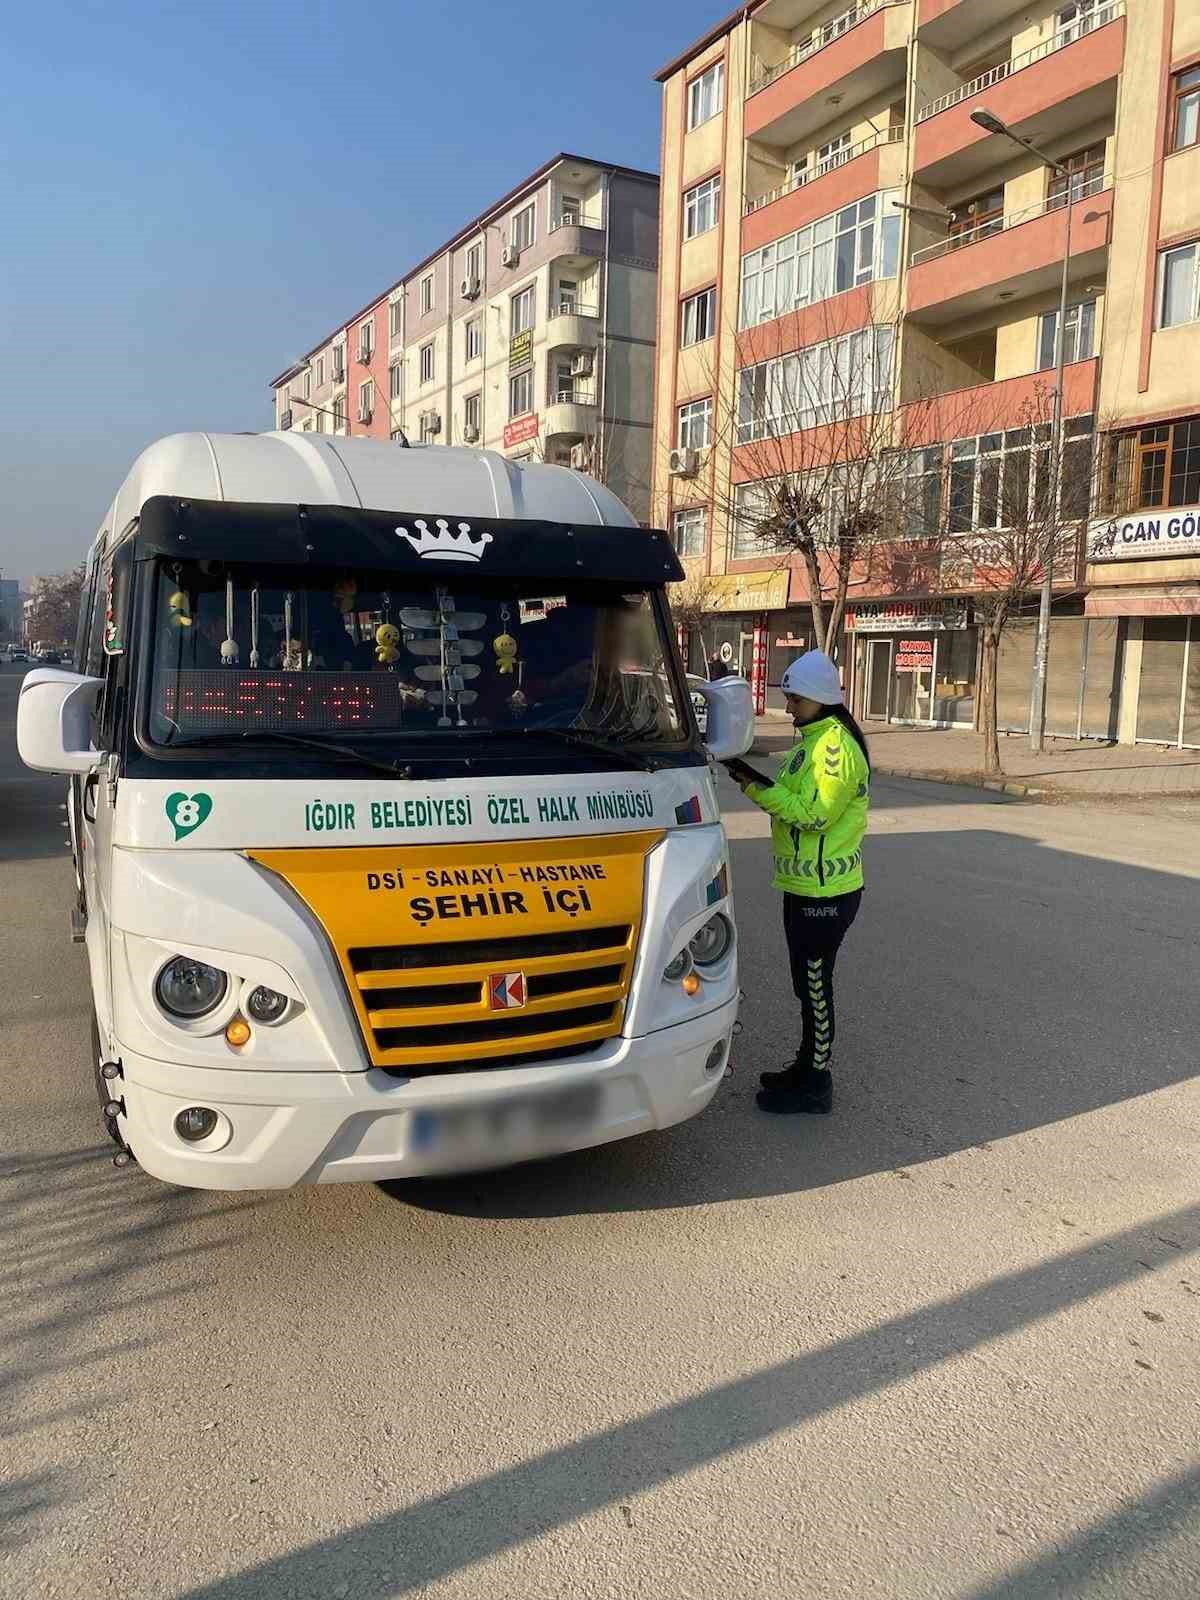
(946, 755)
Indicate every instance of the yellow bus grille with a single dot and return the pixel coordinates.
(429, 1005)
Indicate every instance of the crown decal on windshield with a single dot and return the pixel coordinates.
(444, 545)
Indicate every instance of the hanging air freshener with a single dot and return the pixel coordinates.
(229, 649)
(505, 645)
(254, 626)
(178, 604)
(293, 649)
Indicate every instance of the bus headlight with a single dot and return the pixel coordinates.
(678, 966)
(187, 989)
(266, 1005)
(711, 944)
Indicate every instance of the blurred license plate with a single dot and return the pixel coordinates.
(509, 1125)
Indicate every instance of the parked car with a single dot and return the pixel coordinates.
(699, 703)
(51, 658)
(15, 653)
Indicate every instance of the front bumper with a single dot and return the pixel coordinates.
(331, 1127)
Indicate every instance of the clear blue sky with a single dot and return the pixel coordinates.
(195, 194)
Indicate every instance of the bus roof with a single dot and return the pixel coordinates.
(374, 474)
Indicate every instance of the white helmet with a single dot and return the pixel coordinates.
(814, 676)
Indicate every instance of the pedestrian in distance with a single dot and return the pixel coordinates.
(818, 808)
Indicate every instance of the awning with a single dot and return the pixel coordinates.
(1182, 602)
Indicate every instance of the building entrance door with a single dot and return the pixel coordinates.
(879, 678)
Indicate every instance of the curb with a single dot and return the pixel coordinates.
(1008, 786)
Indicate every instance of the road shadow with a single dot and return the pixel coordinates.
(967, 953)
(404, 1552)
(80, 1247)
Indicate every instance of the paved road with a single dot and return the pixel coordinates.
(942, 1344)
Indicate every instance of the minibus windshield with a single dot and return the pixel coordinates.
(240, 650)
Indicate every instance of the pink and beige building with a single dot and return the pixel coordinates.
(530, 332)
(824, 180)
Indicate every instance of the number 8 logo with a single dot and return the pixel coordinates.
(185, 812)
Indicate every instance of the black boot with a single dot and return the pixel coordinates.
(785, 1075)
(804, 1089)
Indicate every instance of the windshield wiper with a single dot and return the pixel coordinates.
(325, 747)
(585, 741)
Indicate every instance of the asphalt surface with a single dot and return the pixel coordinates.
(943, 1343)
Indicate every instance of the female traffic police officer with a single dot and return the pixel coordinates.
(818, 809)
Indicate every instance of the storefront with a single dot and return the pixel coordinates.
(736, 630)
(1144, 581)
(915, 661)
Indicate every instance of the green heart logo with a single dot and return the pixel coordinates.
(185, 812)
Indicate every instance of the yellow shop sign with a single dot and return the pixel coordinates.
(748, 591)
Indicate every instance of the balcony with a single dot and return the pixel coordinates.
(1069, 81)
(855, 56)
(825, 187)
(576, 239)
(571, 413)
(574, 324)
(949, 25)
(1010, 403)
(1009, 257)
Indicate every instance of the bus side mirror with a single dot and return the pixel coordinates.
(730, 730)
(54, 714)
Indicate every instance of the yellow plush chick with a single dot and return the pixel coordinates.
(506, 652)
(387, 640)
(177, 605)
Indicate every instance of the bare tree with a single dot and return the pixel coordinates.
(692, 601)
(54, 612)
(822, 460)
(1025, 504)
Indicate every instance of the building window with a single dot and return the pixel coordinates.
(706, 95)
(919, 494)
(338, 362)
(395, 318)
(427, 293)
(702, 207)
(855, 245)
(366, 400)
(339, 412)
(1081, 17)
(831, 381)
(1084, 174)
(305, 382)
(1154, 467)
(523, 227)
(1002, 480)
(1185, 122)
(570, 211)
(320, 377)
(521, 310)
(472, 411)
(474, 338)
(699, 317)
(394, 380)
(425, 359)
(695, 425)
(520, 394)
(320, 422)
(977, 218)
(430, 424)
(833, 154)
(398, 436)
(1079, 344)
(366, 340)
(475, 261)
(688, 531)
(1179, 277)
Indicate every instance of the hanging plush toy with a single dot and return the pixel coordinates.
(343, 595)
(505, 647)
(180, 610)
(387, 641)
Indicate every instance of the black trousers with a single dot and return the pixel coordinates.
(815, 930)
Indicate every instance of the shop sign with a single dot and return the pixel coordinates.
(520, 350)
(1146, 533)
(747, 591)
(521, 429)
(914, 655)
(934, 616)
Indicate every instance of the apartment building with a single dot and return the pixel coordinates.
(847, 189)
(530, 332)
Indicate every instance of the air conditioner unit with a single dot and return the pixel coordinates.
(581, 364)
(471, 433)
(364, 416)
(683, 463)
(510, 255)
(469, 288)
(579, 457)
(431, 423)
(364, 353)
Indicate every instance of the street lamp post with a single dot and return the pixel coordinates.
(983, 118)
